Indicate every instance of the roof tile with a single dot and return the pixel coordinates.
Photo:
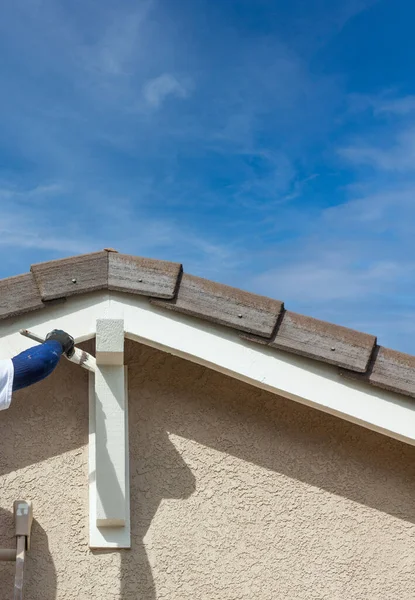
(145, 276)
(19, 295)
(225, 305)
(330, 343)
(389, 369)
(72, 276)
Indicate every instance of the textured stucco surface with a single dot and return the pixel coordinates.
(236, 494)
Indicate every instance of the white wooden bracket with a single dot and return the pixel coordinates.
(109, 494)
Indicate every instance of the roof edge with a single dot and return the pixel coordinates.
(256, 318)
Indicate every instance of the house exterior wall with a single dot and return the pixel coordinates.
(235, 494)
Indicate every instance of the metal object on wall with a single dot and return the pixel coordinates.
(23, 518)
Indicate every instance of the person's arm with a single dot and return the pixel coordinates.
(35, 364)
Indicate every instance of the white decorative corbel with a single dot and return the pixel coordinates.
(109, 503)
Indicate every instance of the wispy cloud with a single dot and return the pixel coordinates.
(115, 52)
(388, 103)
(395, 106)
(354, 260)
(32, 221)
(347, 267)
(157, 90)
(325, 280)
(39, 192)
(397, 155)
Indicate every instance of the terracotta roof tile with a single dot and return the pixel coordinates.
(257, 318)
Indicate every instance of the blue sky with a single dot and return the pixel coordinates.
(265, 144)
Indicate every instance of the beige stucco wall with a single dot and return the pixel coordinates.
(236, 494)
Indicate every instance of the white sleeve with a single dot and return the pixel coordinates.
(6, 383)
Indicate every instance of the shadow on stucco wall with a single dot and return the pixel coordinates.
(275, 433)
(158, 472)
(168, 395)
(40, 574)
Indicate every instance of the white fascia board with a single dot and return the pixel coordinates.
(312, 383)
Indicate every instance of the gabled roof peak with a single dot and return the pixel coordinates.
(257, 318)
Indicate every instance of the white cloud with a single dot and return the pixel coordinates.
(325, 280)
(158, 89)
(375, 210)
(388, 144)
(117, 51)
(36, 193)
(384, 104)
(27, 224)
(396, 106)
(352, 264)
(398, 155)
(43, 240)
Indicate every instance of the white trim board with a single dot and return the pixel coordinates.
(303, 380)
(110, 423)
(106, 537)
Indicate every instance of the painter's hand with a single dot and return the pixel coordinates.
(66, 341)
